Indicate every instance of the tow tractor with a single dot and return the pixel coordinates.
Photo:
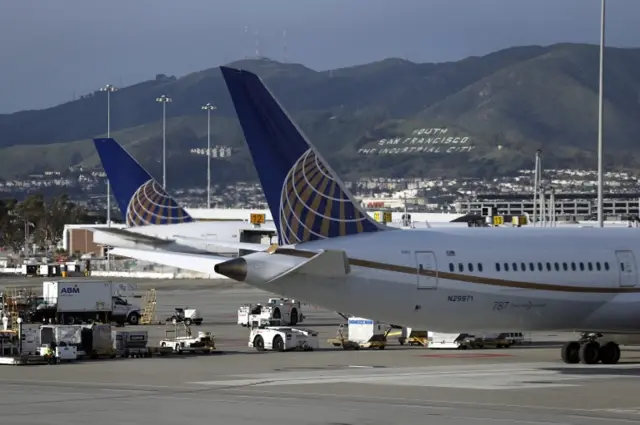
(187, 316)
(280, 338)
(203, 343)
(284, 310)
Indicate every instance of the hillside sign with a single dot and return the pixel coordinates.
(422, 140)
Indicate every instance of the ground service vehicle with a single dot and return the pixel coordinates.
(283, 338)
(284, 311)
(188, 316)
(74, 302)
(203, 343)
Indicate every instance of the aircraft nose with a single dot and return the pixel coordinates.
(235, 269)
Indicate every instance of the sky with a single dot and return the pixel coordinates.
(51, 51)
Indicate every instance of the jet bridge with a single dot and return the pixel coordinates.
(257, 234)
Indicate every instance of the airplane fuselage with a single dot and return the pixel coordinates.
(477, 279)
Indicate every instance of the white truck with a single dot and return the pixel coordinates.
(283, 339)
(283, 310)
(74, 302)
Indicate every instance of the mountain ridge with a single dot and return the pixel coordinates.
(510, 102)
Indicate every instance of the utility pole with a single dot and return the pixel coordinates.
(109, 89)
(164, 99)
(209, 107)
(600, 107)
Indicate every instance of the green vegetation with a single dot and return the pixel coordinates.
(510, 103)
(43, 219)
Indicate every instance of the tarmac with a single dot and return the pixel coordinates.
(399, 385)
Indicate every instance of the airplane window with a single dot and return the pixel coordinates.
(470, 267)
(548, 267)
(514, 267)
(565, 267)
(506, 267)
(598, 265)
(460, 267)
(556, 266)
(531, 267)
(573, 266)
(606, 266)
(523, 267)
(590, 266)
(581, 266)
(479, 267)
(539, 267)
(497, 267)
(451, 267)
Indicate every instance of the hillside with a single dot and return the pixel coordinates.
(505, 105)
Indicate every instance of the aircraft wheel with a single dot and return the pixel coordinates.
(590, 353)
(609, 353)
(571, 352)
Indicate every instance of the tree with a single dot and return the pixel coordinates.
(42, 220)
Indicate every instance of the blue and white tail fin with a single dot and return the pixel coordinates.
(141, 199)
(307, 200)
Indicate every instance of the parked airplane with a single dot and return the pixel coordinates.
(332, 254)
(153, 218)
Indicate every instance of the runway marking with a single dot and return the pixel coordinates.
(480, 377)
(626, 411)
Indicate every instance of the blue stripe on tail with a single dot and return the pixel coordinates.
(307, 201)
(141, 199)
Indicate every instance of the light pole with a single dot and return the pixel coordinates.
(164, 99)
(600, 106)
(109, 89)
(209, 107)
(27, 224)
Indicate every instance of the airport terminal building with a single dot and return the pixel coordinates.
(568, 206)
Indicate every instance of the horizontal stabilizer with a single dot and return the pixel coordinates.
(328, 263)
(202, 263)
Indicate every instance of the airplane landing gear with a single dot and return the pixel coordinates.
(588, 350)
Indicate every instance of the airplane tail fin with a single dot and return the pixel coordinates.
(307, 200)
(141, 199)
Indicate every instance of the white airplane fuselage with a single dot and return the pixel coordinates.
(465, 290)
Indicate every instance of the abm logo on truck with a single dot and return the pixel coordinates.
(70, 290)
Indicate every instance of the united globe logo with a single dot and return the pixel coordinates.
(151, 204)
(309, 199)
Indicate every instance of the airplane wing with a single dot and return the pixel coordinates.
(202, 263)
(204, 244)
(198, 243)
(132, 236)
